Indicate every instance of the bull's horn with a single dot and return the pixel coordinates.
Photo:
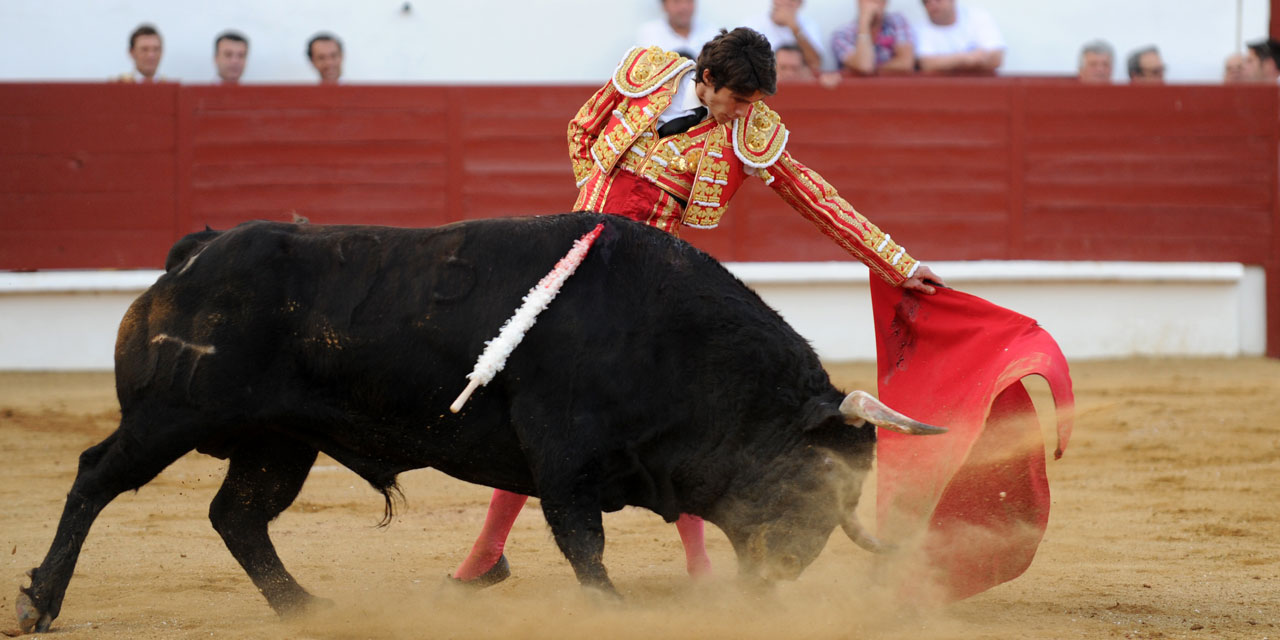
(860, 537)
(864, 406)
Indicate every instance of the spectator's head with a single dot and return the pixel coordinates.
(145, 47)
(230, 50)
(791, 66)
(1096, 62)
(324, 50)
(679, 13)
(1146, 66)
(735, 69)
(1233, 69)
(941, 12)
(1261, 64)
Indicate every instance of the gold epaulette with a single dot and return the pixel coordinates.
(759, 138)
(642, 71)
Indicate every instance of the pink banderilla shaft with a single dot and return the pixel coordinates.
(494, 357)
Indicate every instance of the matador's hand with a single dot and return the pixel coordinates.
(924, 281)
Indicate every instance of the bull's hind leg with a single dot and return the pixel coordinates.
(264, 477)
(126, 460)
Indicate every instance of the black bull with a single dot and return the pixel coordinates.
(655, 379)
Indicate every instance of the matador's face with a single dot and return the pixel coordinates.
(725, 105)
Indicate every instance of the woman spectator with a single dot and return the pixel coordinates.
(876, 42)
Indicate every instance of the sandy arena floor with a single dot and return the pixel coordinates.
(1165, 524)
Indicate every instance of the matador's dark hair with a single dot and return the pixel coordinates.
(741, 60)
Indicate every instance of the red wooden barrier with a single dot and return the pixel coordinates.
(108, 176)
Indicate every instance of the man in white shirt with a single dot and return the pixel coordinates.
(784, 25)
(145, 47)
(958, 39)
(679, 31)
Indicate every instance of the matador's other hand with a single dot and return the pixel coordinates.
(924, 281)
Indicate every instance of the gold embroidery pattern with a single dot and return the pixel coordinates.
(644, 70)
(760, 137)
(811, 195)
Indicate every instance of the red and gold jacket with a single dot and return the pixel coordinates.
(698, 171)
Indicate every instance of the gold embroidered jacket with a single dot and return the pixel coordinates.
(700, 170)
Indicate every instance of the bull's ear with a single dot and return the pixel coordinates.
(820, 416)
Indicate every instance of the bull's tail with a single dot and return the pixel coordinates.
(391, 495)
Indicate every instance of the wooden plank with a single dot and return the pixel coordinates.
(1243, 148)
(317, 152)
(1143, 247)
(943, 95)
(401, 214)
(83, 248)
(249, 98)
(1155, 196)
(52, 100)
(86, 172)
(1155, 222)
(919, 128)
(1015, 205)
(87, 132)
(285, 198)
(301, 125)
(1153, 169)
(71, 211)
(1240, 101)
(1113, 127)
(215, 176)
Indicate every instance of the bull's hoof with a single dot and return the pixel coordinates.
(500, 571)
(29, 617)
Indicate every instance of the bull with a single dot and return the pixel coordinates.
(656, 379)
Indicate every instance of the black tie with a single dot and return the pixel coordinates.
(682, 124)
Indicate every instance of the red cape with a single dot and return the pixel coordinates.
(976, 498)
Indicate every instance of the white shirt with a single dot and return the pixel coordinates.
(683, 102)
(780, 36)
(973, 29)
(659, 32)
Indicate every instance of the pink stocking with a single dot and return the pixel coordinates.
(503, 509)
(695, 549)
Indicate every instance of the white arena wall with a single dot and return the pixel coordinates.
(56, 320)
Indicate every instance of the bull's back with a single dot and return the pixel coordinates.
(390, 320)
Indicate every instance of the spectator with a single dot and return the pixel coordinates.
(145, 47)
(324, 50)
(784, 25)
(958, 39)
(1097, 61)
(875, 42)
(230, 51)
(791, 66)
(1233, 70)
(1146, 66)
(679, 31)
(1260, 64)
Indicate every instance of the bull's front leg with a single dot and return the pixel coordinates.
(578, 528)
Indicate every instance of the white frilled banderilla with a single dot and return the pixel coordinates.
(497, 350)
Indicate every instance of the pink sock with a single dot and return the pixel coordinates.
(695, 549)
(503, 509)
